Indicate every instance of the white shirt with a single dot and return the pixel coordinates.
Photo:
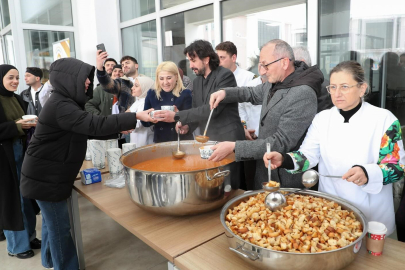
(242, 76)
(249, 112)
(45, 93)
(33, 92)
(337, 146)
(141, 135)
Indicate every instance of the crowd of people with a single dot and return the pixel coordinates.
(310, 121)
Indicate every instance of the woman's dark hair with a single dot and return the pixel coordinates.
(352, 67)
(202, 49)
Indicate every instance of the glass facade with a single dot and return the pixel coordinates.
(171, 3)
(140, 41)
(250, 24)
(39, 47)
(181, 29)
(50, 12)
(8, 47)
(130, 9)
(5, 14)
(373, 35)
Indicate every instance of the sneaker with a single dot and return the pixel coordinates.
(24, 255)
(2, 236)
(35, 244)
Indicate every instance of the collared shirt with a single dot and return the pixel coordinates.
(33, 92)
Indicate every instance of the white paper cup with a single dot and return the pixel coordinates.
(206, 151)
(97, 153)
(128, 147)
(114, 165)
(88, 152)
(33, 117)
(152, 113)
(111, 144)
(167, 108)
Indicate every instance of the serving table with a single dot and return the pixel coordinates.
(170, 236)
(87, 164)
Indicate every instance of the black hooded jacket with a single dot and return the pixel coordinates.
(58, 147)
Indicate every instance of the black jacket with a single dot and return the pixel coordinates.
(10, 203)
(32, 109)
(58, 147)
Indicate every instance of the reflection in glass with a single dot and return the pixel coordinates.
(50, 12)
(372, 34)
(140, 41)
(5, 13)
(181, 29)
(9, 48)
(250, 24)
(171, 3)
(130, 9)
(39, 47)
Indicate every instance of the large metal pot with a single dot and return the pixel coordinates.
(179, 193)
(264, 258)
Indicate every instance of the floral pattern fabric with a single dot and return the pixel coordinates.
(389, 158)
(301, 163)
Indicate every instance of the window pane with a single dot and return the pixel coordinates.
(140, 41)
(9, 48)
(181, 29)
(373, 35)
(52, 12)
(39, 47)
(5, 13)
(171, 3)
(250, 24)
(130, 9)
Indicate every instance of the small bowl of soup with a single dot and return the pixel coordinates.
(206, 151)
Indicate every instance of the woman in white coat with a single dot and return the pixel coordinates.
(354, 139)
(141, 135)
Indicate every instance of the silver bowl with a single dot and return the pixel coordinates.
(264, 258)
(176, 193)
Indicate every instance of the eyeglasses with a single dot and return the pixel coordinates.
(266, 65)
(344, 89)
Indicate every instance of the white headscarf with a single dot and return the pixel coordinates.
(146, 83)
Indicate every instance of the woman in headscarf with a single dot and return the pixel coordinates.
(13, 129)
(141, 135)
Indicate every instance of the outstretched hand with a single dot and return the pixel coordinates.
(216, 98)
(100, 58)
(145, 116)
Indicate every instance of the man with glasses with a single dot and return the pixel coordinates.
(289, 103)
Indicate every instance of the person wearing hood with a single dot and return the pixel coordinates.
(141, 135)
(289, 103)
(17, 217)
(56, 153)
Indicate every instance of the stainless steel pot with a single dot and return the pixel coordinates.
(179, 193)
(264, 258)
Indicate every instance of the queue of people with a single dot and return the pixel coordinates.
(309, 121)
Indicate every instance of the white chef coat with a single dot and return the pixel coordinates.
(249, 112)
(242, 76)
(337, 146)
(141, 135)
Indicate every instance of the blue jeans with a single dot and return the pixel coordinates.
(58, 249)
(19, 241)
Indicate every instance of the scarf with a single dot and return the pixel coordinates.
(4, 69)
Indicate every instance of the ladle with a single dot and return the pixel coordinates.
(203, 138)
(276, 200)
(178, 154)
(314, 174)
(264, 184)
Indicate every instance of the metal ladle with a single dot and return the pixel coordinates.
(203, 138)
(264, 184)
(276, 200)
(178, 154)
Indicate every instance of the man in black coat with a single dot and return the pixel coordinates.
(57, 151)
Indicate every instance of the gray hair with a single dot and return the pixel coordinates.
(301, 53)
(281, 49)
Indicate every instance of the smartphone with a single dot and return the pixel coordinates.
(101, 47)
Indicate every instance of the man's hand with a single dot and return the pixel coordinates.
(183, 129)
(356, 176)
(100, 58)
(25, 124)
(276, 159)
(222, 150)
(216, 98)
(248, 134)
(127, 131)
(165, 116)
(144, 116)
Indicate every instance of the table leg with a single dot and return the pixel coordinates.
(73, 206)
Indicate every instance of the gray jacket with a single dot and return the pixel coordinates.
(26, 96)
(283, 123)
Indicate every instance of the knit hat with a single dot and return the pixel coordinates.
(4, 69)
(37, 72)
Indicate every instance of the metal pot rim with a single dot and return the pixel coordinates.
(168, 143)
(338, 200)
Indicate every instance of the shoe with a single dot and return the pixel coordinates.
(2, 236)
(24, 255)
(35, 244)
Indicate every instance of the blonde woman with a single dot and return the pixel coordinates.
(169, 91)
(141, 135)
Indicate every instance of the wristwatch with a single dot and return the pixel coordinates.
(177, 116)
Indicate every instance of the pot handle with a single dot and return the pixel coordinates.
(245, 253)
(217, 175)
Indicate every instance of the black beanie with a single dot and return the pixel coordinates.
(35, 71)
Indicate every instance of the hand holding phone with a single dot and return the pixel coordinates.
(101, 56)
(101, 47)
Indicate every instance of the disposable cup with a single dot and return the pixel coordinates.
(114, 165)
(167, 108)
(206, 151)
(126, 147)
(88, 152)
(375, 238)
(97, 153)
(33, 117)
